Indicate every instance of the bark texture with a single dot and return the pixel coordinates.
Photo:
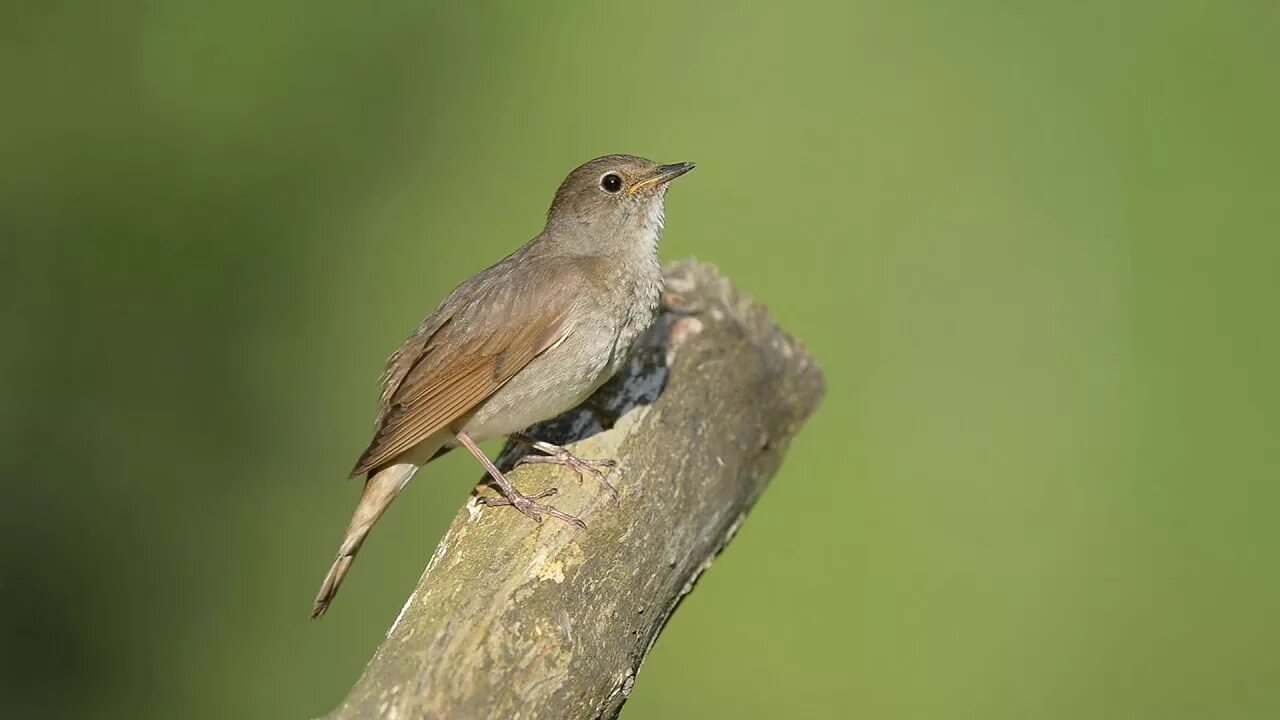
(514, 619)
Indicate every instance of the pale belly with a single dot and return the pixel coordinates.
(566, 374)
(556, 381)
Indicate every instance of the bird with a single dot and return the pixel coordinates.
(522, 341)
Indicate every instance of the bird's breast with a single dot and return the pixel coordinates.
(644, 293)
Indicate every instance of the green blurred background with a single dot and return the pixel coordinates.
(1034, 247)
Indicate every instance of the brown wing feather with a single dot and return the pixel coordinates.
(430, 392)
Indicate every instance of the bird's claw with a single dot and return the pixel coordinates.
(561, 456)
(529, 508)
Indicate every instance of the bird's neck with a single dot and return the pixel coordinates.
(624, 255)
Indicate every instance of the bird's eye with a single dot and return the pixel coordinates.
(611, 183)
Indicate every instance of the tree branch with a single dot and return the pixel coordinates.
(517, 619)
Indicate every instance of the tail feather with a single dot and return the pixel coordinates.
(382, 488)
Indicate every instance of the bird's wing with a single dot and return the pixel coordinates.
(468, 349)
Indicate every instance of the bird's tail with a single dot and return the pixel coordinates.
(379, 491)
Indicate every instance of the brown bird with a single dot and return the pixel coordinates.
(521, 342)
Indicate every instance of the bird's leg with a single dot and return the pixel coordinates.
(511, 496)
(557, 455)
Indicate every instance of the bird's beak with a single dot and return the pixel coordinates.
(663, 175)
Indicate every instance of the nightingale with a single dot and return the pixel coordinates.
(521, 342)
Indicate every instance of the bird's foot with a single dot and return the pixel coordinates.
(528, 505)
(557, 455)
(510, 496)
